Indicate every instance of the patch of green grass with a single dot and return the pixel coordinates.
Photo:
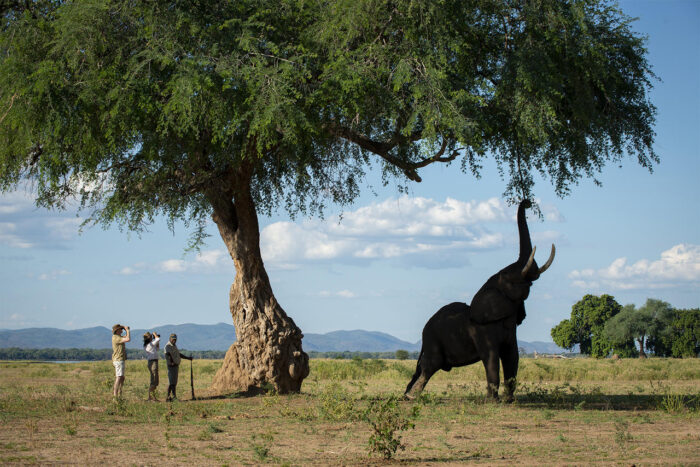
(336, 403)
(622, 434)
(261, 444)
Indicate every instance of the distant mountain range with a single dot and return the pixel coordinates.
(217, 337)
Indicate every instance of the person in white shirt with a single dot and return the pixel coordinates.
(151, 344)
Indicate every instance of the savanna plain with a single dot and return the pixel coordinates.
(567, 411)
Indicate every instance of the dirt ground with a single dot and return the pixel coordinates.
(63, 414)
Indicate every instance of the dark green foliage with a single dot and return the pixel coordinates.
(586, 326)
(401, 354)
(680, 335)
(387, 419)
(601, 326)
(142, 109)
(638, 325)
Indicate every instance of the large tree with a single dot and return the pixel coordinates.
(678, 335)
(638, 324)
(586, 326)
(225, 110)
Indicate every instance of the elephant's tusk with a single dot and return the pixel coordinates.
(530, 260)
(549, 261)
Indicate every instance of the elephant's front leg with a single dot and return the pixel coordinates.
(493, 376)
(510, 358)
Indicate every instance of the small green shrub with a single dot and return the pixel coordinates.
(622, 434)
(261, 445)
(337, 404)
(387, 419)
(71, 426)
(673, 403)
(207, 433)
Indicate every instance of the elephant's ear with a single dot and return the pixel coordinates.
(491, 305)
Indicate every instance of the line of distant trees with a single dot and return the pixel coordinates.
(347, 355)
(602, 327)
(14, 353)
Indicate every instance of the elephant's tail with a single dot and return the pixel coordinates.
(416, 374)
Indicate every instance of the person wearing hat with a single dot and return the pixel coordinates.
(151, 344)
(119, 355)
(172, 357)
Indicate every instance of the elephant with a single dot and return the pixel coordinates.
(459, 334)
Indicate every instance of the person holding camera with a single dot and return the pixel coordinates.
(172, 357)
(151, 344)
(119, 356)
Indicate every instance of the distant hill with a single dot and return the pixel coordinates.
(217, 337)
(189, 336)
(356, 341)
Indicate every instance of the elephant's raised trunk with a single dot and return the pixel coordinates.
(525, 244)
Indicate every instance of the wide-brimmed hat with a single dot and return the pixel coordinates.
(173, 335)
(117, 327)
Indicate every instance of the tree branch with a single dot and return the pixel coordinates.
(12, 101)
(383, 148)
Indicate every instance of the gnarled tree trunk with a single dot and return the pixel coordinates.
(268, 347)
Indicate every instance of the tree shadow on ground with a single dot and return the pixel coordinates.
(553, 400)
(561, 399)
(252, 392)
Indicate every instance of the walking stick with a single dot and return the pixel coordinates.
(191, 380)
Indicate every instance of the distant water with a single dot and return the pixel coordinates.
(65, 361)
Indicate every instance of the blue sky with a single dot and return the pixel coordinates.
(395, 259)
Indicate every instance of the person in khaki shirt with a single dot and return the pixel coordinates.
(119, 355)
(172, 357)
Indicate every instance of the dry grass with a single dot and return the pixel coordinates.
(578, 411)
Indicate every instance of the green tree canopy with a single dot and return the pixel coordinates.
(586, 325)
(679, 334)
(219, 109)
(641, 324)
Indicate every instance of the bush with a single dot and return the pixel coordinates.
(387, 418)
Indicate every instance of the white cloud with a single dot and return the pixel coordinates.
(63, 228)
(8, 208)
(128, 271)
(340, 294)
(172, 265)
(204, 262)
(416, 231)
(421, 216)
(8, 236)
(346, 294)
(53, 275)
(211, 258)
(22, 225)
(677, 265)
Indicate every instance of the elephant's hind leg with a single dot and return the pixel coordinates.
(414, 378)
(423, 373)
